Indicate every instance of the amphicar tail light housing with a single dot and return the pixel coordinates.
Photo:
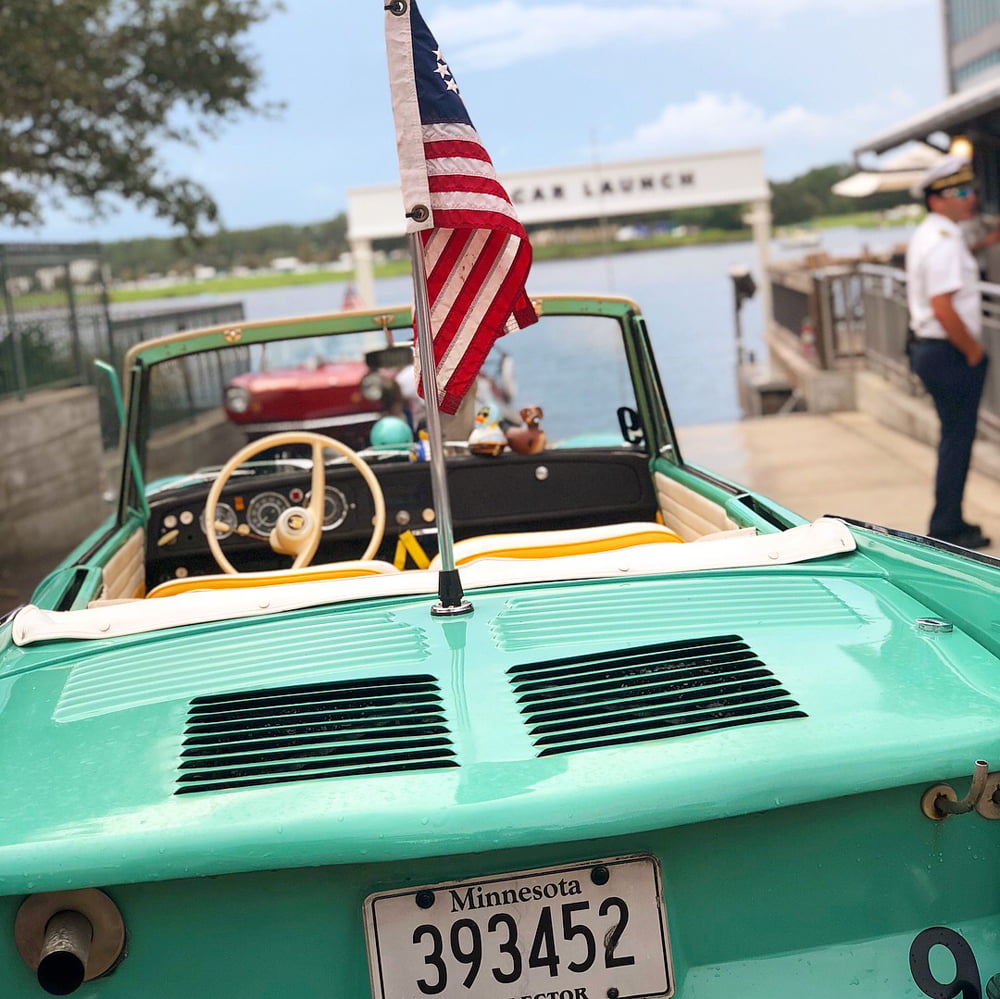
(69, 937)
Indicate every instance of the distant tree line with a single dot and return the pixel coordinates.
(810, 196)
(320, 242)
(794, 202)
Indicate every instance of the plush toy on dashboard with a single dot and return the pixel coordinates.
(487, 437)
(529, 439)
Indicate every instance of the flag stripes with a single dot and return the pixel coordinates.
(476, 252)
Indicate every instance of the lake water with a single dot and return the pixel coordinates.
(685, 293)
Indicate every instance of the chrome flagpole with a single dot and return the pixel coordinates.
(450, 594)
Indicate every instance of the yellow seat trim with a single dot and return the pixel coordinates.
(557, 544)
(577, 548)
(243, 580)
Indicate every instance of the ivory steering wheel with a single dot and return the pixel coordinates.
(299, 529)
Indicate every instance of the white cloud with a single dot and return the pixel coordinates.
(794, 138)
(505, 32)
(499, 34)
(770, 10)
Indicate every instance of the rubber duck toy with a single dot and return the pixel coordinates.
(487, 437)
(529, 439)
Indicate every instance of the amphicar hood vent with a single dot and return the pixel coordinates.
(284, 734)
(646, 693)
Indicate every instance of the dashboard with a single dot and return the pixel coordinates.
(554, 489)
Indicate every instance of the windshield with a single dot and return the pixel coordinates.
(571, 368)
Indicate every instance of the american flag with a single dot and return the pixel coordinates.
(476, 252)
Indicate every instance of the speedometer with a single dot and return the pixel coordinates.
(335, 507)
(225, 520)
(263, 512)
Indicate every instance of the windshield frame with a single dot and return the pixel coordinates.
(653, 413)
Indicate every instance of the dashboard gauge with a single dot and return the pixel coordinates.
(225, 520)
(263, 512)
(334, 508)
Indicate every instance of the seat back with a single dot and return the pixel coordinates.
(241, 580)
(552, 544)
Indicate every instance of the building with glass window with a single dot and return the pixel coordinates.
(972, 41)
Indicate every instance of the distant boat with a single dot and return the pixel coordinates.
(799, 239)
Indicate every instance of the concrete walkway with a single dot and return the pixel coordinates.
(841, 463)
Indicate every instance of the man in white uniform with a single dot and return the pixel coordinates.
(946, 323)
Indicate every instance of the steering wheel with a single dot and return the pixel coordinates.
(299, 529)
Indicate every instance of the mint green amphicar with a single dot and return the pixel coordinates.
(677, 740)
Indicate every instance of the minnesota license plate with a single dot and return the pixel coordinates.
(582, 932)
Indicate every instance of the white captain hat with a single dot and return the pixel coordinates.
(949, 171)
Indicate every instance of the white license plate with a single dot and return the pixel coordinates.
(583, 932)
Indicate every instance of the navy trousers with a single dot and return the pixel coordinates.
(956, 390)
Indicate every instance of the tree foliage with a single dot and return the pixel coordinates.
(90, 88)
(809, 196)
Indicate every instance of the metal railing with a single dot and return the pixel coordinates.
(886, 325)
(187, 387)
(824, 309)
(55, 315)
(130, 327)
(196, 383)
(856, 314)
(989, 412)
(887, 320)
(56, 320)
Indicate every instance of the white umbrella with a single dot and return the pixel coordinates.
(895, 173)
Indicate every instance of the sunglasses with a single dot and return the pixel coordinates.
(966, 191)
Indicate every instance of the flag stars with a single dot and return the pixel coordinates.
(444, 72)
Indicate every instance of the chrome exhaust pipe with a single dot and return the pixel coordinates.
(69, 937)
(62, 963)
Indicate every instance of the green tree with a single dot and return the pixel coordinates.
(810, 195)
(90, 88)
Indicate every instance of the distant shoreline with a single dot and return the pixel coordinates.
(255, 282)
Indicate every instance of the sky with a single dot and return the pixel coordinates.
(555, 83)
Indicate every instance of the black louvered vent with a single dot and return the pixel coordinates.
(285, 734)
(645, 693)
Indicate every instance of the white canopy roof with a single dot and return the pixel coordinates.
(895, 173)
(955, 110)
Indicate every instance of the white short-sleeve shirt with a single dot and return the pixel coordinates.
(938, 262)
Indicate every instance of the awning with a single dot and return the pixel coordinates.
(954, 111)
(895, 173)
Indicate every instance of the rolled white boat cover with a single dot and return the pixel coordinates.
(824, 537)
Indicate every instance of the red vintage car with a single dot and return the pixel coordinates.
(343, 396)
(340, 397)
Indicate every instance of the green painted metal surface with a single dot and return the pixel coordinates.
(796, 858)
(820, 900)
